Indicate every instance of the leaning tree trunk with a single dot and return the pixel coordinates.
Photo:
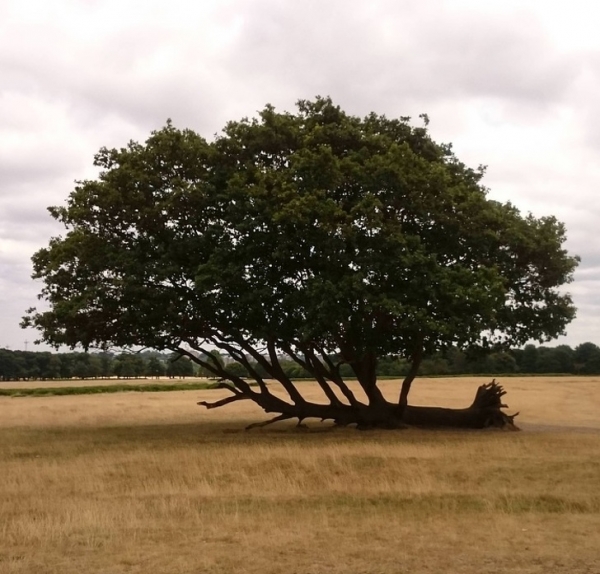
(377, 412)
(485, 412)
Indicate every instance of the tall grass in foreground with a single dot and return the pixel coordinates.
(104, 484)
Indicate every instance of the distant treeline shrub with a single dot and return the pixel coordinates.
(22, 365)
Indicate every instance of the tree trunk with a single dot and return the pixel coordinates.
(431, 417)
(416, 359)
(483, 413)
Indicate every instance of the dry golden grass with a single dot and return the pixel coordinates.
(136, 483)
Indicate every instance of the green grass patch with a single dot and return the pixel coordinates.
(103, 389)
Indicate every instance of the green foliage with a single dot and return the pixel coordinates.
(129, 365)
(179, 367)
(587, 358)
(155, 368)
(311, 233)
(17, 365)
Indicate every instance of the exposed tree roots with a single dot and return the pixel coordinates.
(484, 412)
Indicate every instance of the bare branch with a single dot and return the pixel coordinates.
(336, 378)
(223, 402)
(319, 371)
(215, 367)
(238, 356)
(416, 358)
(287, 384)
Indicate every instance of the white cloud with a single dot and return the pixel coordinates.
(510, 83)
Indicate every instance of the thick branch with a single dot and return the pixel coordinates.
(335, 377)
(314, 366)
(215, 367)
(237, 396)
(278, 370)
(416, 358)
(223, 402)
(483, 413)
(239, 356)
(321, 373)
(286, 383)
(365, 369)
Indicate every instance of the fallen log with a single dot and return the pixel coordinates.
(484, 412)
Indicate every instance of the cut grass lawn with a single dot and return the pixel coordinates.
(136, 483)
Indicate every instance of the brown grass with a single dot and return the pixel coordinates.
(142, 483)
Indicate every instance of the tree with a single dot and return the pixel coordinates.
(324, 237)
(180, 366)
(564, 359)
(155, 368)
(128, 366)
(587, 358)
(81, 366)
(10, 369)
(527, 359)
(501, 363)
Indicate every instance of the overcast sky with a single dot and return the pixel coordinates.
(514, 85)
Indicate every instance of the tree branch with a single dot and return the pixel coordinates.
(238, 356)
(312, 369)
(416, 358)
(336, 378)
(215, 367)
(286, 383)
(320, 372)
(223, 402)
(365, 369)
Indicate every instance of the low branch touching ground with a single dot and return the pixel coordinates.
(223, 402)
(484, 412)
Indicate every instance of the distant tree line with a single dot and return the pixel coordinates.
(22, 365)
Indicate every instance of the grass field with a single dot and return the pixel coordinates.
(149, 482)
(59, 383)
(110, 387)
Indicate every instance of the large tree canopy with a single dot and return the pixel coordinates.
(319, 235)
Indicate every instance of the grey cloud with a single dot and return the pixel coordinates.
(395, 54)
(65, 95)
(383, 55)
(31, 168)
(588, 105)
(30, 227)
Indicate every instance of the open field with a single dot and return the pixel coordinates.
(149, 482)
(57, 383)
(157, 387)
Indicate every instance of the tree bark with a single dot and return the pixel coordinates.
(416, 359)
(485, 412)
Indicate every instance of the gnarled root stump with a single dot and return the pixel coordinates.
(485, 412)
